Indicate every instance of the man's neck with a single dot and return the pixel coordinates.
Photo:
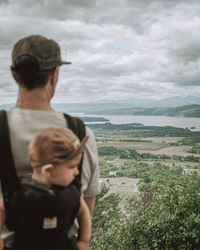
(36, 99)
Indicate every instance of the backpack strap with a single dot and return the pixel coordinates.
(78, 127)
(8, 175)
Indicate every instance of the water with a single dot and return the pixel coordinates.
(179, 122)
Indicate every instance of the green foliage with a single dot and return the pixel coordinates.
(152, 156)
(106, 214)
(141, 186)
(123, 153)
(128, 154)
(109, 158)
(177, 170)
(107, 151)
(167, 217)
(120, 174)
(189, 158)
(138, 131)
(159, 173)
(191, 139)
(194, 150)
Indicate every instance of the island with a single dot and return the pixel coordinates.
(93, 119)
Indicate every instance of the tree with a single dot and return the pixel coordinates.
(106, 213)
(167, 217)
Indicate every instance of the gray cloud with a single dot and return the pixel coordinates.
(118, 50)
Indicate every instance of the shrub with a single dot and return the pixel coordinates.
(167, 217)
(106, 214)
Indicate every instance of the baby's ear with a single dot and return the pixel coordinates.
(46, 170)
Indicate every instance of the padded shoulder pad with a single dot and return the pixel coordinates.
(76, 125)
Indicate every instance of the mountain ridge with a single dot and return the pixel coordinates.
(103, 105)
(181, 111)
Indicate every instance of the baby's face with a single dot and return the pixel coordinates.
(64, 173)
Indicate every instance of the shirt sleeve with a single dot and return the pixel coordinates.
(90, 167)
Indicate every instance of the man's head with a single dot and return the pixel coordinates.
(34, 59)
(54, 153)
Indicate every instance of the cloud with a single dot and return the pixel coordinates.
(118, 49)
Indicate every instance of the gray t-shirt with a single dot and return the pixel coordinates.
(24, 123)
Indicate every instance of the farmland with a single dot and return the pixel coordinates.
(138, 158)
(137, 166)
(149, 143)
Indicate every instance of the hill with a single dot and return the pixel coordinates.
(102, 105)
(181, 111)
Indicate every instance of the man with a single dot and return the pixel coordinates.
(35, 66)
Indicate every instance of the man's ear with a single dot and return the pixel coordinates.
(46, 170)
(12, 68)
(54, 76)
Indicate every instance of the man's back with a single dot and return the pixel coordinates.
(24, 123)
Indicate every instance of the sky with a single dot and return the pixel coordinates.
(118, 48)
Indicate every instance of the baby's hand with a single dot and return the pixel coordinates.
(81, 245)
(1, 244)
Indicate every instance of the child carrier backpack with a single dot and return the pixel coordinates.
(8, 176)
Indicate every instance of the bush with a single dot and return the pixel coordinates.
(106, 214)
(167, 217)
(141, 186)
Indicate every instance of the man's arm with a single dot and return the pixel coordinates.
(2, 220)
(90, 172)
(90, 201)
(83, 244)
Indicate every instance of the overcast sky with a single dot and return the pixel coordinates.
(118, 48)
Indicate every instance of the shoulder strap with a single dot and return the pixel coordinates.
(78, 127)
(8, 172)
(8, 175)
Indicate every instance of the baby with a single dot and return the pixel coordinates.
(49, 200)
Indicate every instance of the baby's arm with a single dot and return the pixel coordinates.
(83, 244)
(2, 220)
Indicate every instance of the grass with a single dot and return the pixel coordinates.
(117, 187)
(124, 190)
(125, 194)
(114, 160)
(136, 145)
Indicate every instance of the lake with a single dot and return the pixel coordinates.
(179, 122)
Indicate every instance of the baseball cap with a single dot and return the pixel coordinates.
(54, 145)
(46, 51)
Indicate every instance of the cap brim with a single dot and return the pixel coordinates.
(64, 62)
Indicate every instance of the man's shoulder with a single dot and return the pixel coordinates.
(20, 111)
(89, 132)
(35, 117)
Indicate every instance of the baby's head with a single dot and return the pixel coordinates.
(54, 154)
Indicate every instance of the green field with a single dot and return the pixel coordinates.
(112, 165)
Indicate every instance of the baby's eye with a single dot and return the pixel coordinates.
(72, 167)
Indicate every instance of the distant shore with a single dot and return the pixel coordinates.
(94, 119)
